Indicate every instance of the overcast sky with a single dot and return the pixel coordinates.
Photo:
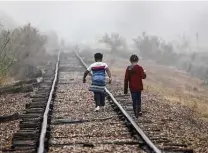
(81, 21)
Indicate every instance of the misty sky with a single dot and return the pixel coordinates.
(84, 21)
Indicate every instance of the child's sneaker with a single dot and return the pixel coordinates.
(97, 108)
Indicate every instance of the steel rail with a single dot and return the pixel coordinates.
(41, 146)
(134, 124)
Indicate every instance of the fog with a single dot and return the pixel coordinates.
(170, 33)
(87, 21)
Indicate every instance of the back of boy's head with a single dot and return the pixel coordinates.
(134, 58)
(98, 57)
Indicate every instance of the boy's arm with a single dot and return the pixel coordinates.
(109, 74)
(86, 73)
(143, 72)
(126, 82)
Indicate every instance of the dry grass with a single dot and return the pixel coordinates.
(4, 80)
(174, 86)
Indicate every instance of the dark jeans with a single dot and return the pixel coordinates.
(99, 98)
(136, 98)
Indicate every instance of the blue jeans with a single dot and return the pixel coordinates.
(99, 98)
(136, 98)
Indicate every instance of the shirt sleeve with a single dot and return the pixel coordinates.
(126, 82)
(126, 75)
(106, 66)
(89, 68)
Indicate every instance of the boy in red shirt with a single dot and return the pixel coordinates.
(133, 80)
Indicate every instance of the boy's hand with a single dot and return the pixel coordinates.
(110, 80)
(84, 80)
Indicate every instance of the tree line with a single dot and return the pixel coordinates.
(151, 47)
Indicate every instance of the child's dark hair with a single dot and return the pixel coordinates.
(134, 58)
(98, 57)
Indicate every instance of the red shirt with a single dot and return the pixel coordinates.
(133, 78)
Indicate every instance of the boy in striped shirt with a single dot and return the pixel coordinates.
(98, 70)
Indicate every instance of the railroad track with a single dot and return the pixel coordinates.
(26, 139)
(153, 129)
(61, 117)
(159, 140)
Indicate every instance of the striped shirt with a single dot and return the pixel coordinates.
(98, 73)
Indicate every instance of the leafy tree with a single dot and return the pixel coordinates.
(148, 46)
(113, 41)
(153, 48)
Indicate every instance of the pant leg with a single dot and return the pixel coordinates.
(102, 99)
(97, 98)
(135, 101)
(139, 101)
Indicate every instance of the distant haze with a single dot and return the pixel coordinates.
(86, 21)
